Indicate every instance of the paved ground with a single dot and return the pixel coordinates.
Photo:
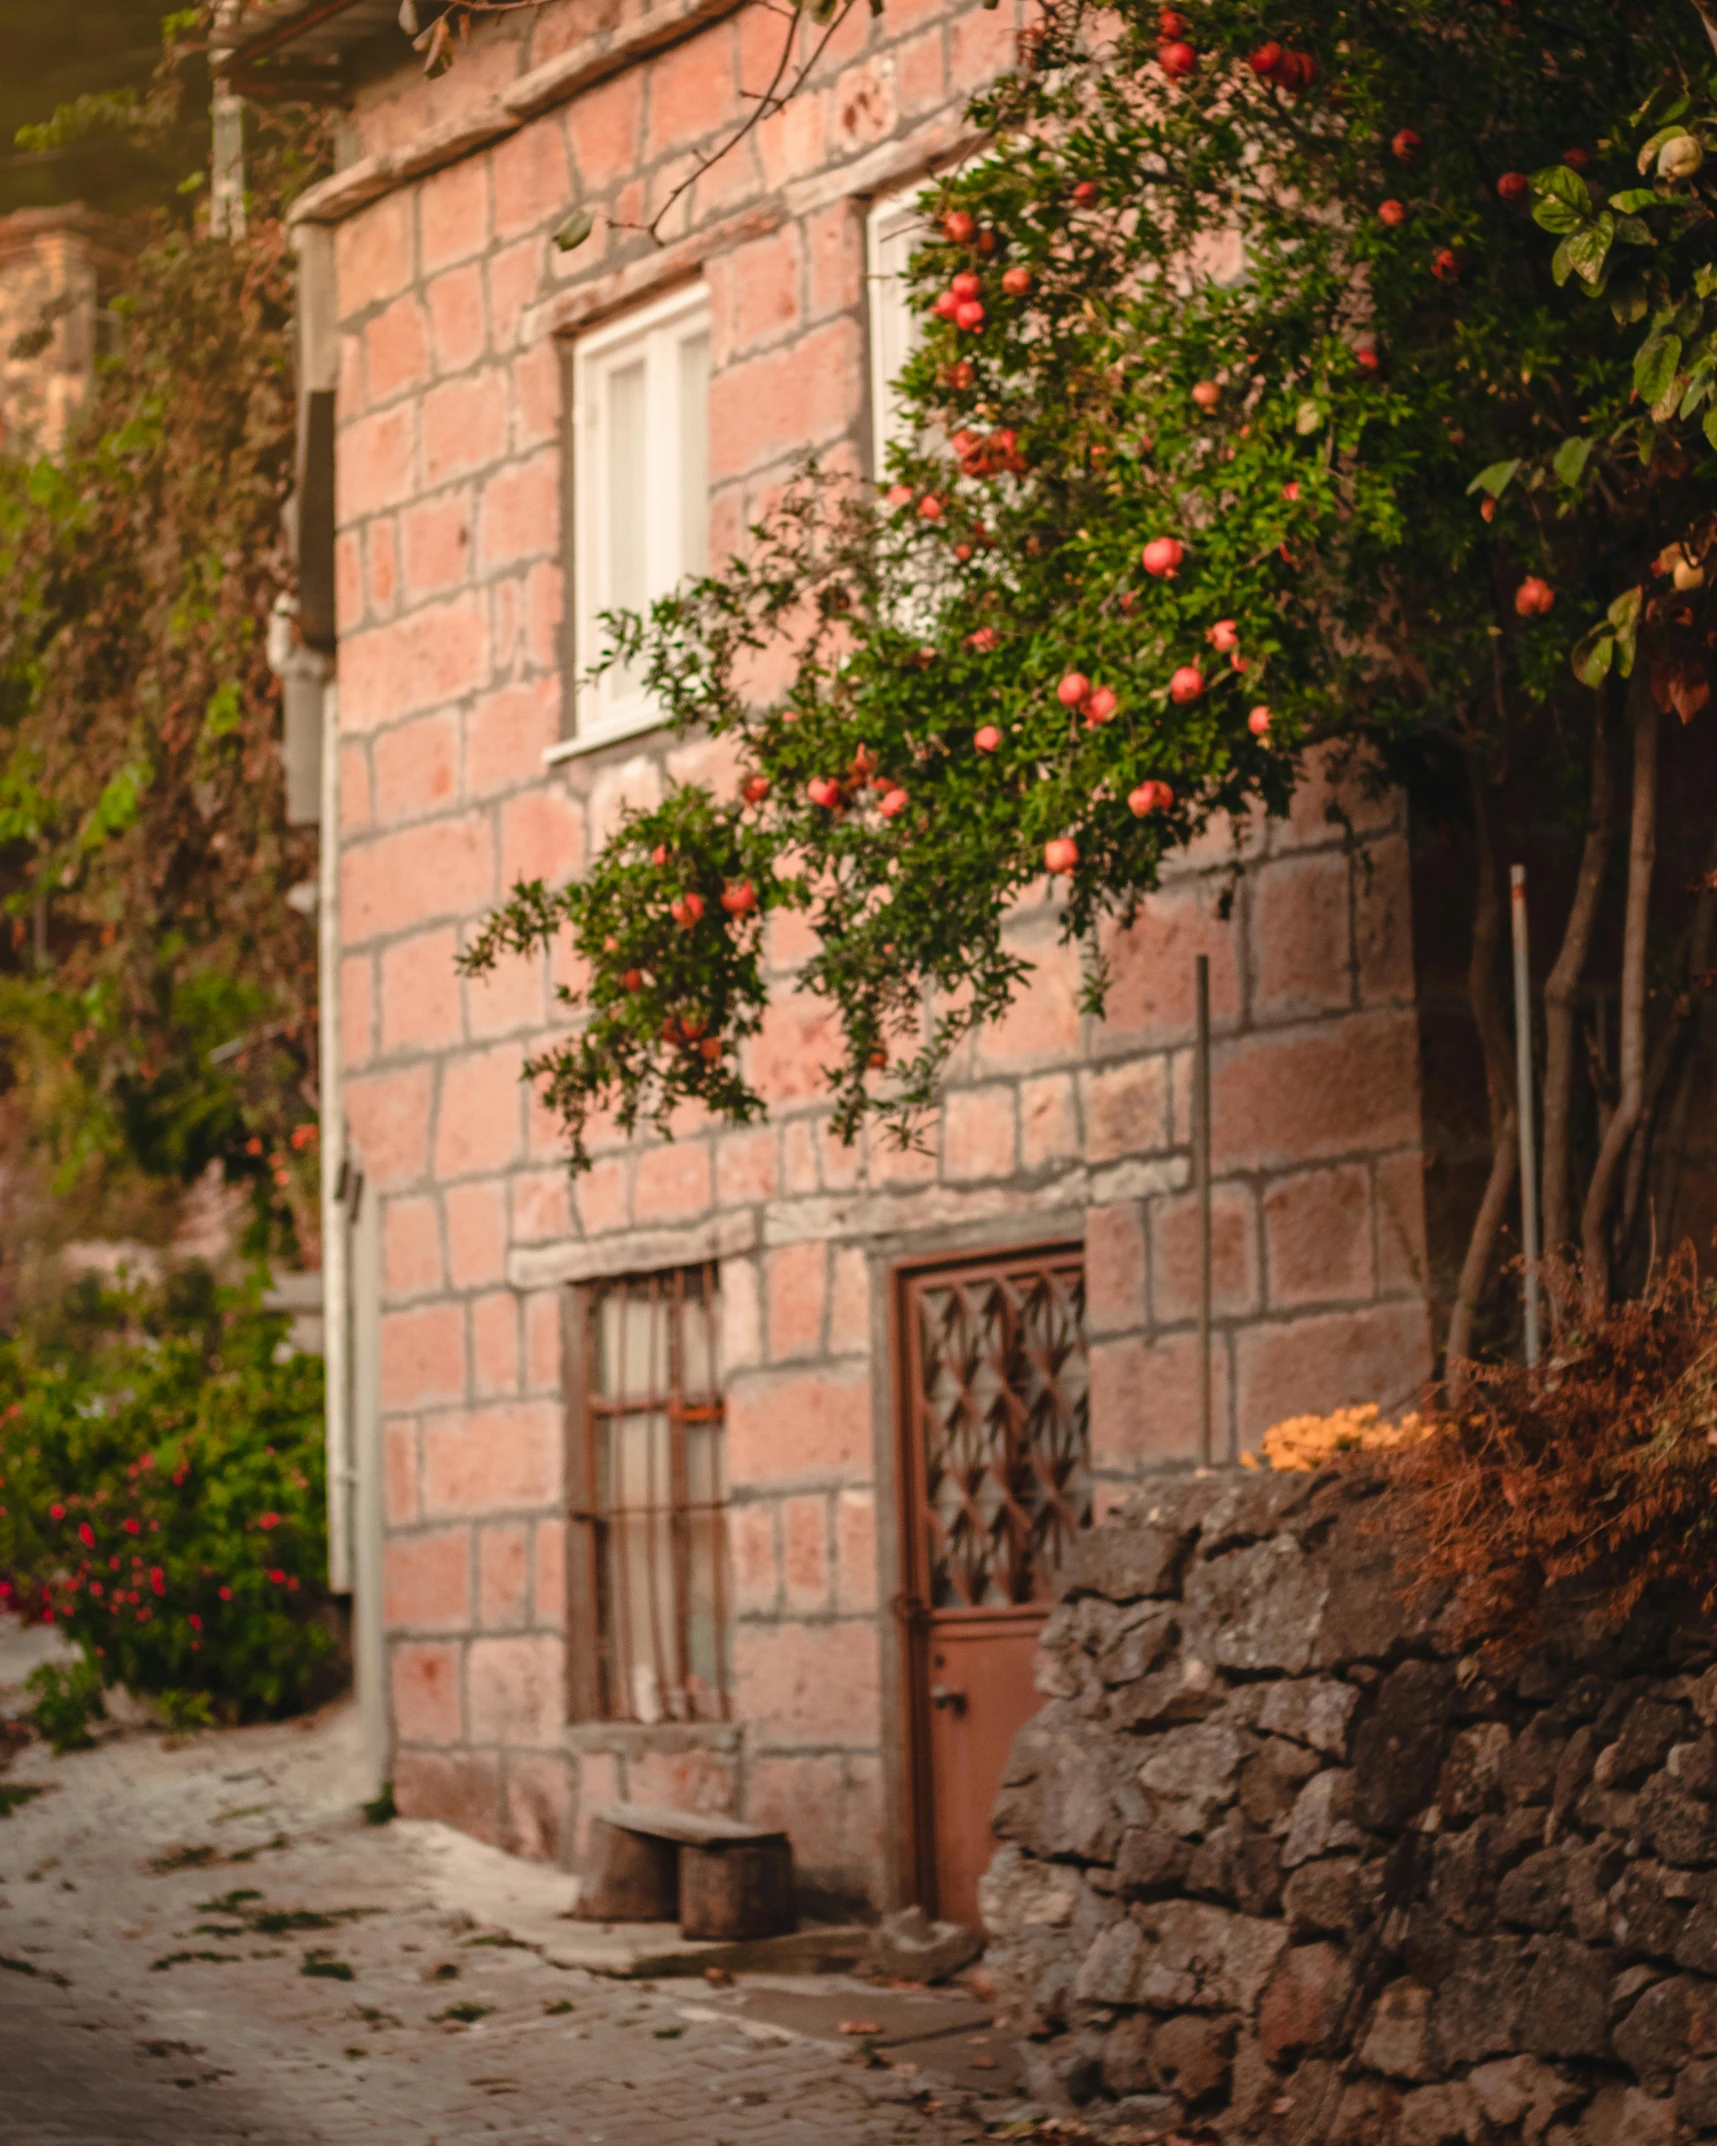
(201, 1941)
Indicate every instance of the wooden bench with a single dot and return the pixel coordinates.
(716, 1877)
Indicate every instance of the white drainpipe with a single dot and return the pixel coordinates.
(336, 1248)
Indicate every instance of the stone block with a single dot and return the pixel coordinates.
(1303, 2003)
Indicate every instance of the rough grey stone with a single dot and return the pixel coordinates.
(1592, 1871)
(1694, 1765)
(1438, 2115)
(1534, 1895)
(1471, 1780)
(1528, 1768)
(1192, 2056)
(1237, 1866)
(1323, 1898)
(1257, 1609)
(1181, 1955)
(1018, 1893)
(1399, 1749)
(1152, 1861)
(1272, 1780)
(1696, 2096)
(1188, 1690)
(1643, 1917)
(1476, 2009)
(1621, 2115)
(1565, 2008)
(1311, 1710)
(1654, 2039)
(1302, 2006)
(1647, 1733)
(1322, 1818)
(1398, 2039)
(1573, 1769)
(909, 1945)
(1681, 1827)
(1129, 1557)
(1142, 1637)
(1193, 1773)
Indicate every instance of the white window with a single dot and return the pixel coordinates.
(641, 487)
(896, 327)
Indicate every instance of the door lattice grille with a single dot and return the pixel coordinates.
(1001, 1394)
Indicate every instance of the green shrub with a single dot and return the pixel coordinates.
(162, 1502)
(67, 1699)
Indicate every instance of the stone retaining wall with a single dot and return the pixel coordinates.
(1276, 1863)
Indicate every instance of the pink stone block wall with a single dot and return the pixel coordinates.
(451, 301)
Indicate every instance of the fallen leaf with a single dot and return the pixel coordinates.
(860, 2026)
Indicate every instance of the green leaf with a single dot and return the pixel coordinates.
(1589, 249)
(1624, 617)
(1562, 263)
(1307, 418)
(1632, 231)
(225, 709)
(1593, 653)
(1711, 424)
(1562, 202)
(1495, 478)
(1655, 364)
(1631, 199)
(1570, 461)
(1648, 153)
(573, 233)
(1628, 303)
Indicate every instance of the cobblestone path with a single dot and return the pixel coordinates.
(205, 1943)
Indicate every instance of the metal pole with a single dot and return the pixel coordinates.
(1201, 1179)
(1528, 1129)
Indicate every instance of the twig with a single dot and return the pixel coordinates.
(772, 100)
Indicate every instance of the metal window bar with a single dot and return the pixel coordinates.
(999, 1385)
(655, 1496)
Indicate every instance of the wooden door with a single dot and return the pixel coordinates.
(996, 1476)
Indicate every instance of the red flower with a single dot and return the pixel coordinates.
(196, 1623)
(133, 1527)
(158, 1579)
(56, 1512)
(226, 1594)
(279, 1578)
(272, 1520)
(86, 1535)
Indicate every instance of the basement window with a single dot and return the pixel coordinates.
(641, 489)
(650, 1502)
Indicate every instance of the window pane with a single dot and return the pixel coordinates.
(694, 453)
(657, 1475)
(632, 1343)
(627, 581)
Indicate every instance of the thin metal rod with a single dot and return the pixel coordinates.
(1528, 1132)
(1201, 1179)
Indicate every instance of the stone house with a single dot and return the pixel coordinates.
(729, 1474)
(56, 269)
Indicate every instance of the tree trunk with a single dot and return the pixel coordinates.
(1630, 1048)
(1560, 991)
(1492, 1024)
(1676, 1046)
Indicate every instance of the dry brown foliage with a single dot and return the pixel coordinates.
(1595, 1473)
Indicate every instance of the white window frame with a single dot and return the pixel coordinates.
(895, 225)
(607, 708)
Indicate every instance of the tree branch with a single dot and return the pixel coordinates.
(1642, 855)
(1560, 990)
(1492, 1025)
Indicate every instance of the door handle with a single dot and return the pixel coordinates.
(943, 1695)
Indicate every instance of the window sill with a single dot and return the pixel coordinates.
(666, 1739)
(566, 749)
